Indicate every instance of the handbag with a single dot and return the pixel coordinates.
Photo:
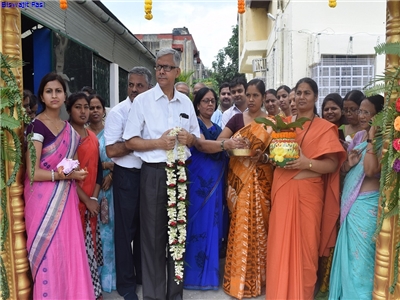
(104, 211)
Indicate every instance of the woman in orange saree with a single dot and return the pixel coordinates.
(248, 200)
(305, 204)
(88, 190)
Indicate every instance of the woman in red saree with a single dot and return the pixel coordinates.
(55, 242)
(88, 190)
(248, 200)
(305, 204)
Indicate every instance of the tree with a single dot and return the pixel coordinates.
(226, 66)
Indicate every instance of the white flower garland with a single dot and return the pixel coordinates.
(176, 207)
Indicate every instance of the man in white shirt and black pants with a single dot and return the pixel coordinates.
(153, 114)
(126, 188)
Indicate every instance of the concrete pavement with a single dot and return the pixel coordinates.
(188, 294)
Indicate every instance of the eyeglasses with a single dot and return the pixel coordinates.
(166, 68)
(209, 101)
(366, 113)
(352, 111)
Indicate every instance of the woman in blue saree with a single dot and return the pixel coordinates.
(107, 270)
(353, 262)
(206, 194)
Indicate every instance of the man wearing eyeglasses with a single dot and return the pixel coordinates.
(126, 180)
(153, 115)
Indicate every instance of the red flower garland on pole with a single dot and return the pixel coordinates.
(241, 6)
(63, 4)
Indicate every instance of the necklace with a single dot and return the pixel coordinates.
(54, 122)
(312, 120)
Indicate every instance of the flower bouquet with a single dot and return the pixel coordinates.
(283, 147)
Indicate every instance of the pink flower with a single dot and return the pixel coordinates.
(182, 180)
(171, 185)
(181, 163)
(172, 205)
(173, 223)
(396, 144)
(398, 104)
(181, 221)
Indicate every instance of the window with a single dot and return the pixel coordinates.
(342, 73)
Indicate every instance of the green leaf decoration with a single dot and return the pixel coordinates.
(280, 125)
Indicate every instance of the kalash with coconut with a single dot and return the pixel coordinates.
(283, 147)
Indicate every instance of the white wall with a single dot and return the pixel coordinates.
(305, 30)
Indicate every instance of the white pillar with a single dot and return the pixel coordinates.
(114, 87)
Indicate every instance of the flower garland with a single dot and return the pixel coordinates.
(176, 207)
(147, 9)
(241, 6)
(332, 3)
(63, 4)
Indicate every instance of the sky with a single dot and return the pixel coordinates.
(209, 22)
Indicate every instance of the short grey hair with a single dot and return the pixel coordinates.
(181, 83)
(175, 55)
(142, 71)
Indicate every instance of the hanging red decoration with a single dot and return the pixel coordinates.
(241, 6)
(63, 4)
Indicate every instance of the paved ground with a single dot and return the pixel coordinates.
(187, 294)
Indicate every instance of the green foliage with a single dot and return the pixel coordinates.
(280, 125)
(12, 116)
(226, 65)
(386, 135)
(185, 77)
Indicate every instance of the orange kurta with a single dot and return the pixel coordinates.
(303, 218)
(248, 199)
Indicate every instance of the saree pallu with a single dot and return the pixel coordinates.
(205, 218)
(248, 200)
(88, 153)
(55, 242)
(107, 271)
(303, 219)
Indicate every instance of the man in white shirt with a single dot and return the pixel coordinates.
(126, 180)
(153, 114)
(238, 91)
(225, 102)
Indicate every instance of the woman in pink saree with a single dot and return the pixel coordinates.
(56, 248)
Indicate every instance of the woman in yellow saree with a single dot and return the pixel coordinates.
(248, 200)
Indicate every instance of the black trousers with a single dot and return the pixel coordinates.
(126, 187)
(153, 226)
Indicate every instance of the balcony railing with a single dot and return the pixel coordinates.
(259, 65)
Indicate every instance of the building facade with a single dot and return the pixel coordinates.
(181, 40)
(282, 41)
(85, 43)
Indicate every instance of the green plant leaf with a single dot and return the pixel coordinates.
(9, 122)
(267, 122)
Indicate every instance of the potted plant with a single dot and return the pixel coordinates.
(283, 147)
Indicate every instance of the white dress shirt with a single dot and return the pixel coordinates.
(152, 114)
(228, 114)
(114, 128)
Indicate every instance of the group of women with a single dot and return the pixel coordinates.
(66, 240)
(283, 219)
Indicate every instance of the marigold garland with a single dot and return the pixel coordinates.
(63, 4)
(147, 9)
(283, 135)
(332, 3)
(241, 6)
(176, 206)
